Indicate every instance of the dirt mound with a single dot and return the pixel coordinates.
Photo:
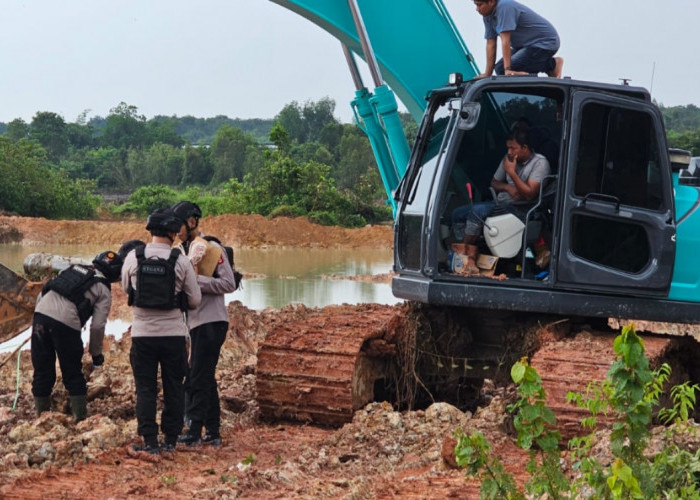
(9, 233)
(380, 453)
(236, 230)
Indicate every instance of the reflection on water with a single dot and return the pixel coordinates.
(13, 255)
(289, 275)
(295, 276)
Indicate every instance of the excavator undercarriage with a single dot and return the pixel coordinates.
(326, 366)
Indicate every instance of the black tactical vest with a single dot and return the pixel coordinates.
(72, 283)
(155, 278)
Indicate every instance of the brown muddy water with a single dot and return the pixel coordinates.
(275, 277)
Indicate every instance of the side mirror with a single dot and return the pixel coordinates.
(468, 115)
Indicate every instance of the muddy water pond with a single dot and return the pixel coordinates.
(276, 276)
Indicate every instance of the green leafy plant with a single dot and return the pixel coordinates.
(474, 453)
(536, 427)
(168, 480)
(629, 395)
(228, 478)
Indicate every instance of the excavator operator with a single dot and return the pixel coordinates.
(517, 179)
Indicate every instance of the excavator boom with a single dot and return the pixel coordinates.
(410, 47)
(415, 43)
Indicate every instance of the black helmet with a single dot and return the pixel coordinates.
(187, 209)
(164, 220)
(128, 246)
(109, 264)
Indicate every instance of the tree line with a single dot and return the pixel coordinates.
(301, 162)
(683, 127)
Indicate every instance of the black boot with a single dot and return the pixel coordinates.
(212, 439)
(78, 407)
(42, 404)
(169, 444)
(193, 436)
(150, 445)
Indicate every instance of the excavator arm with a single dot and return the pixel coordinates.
(410, 48)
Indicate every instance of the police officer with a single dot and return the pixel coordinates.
(208, 326)
(160, 282)
(128, 246)
(63, 307)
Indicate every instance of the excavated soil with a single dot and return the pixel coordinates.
(380, 453)
(238, 230)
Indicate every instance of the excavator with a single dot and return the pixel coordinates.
(618, 215)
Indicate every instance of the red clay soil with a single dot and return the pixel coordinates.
(235, 230)
(380, 453)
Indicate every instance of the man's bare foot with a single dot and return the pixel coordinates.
(558, 67)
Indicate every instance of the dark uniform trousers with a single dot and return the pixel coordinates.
(203, 405)
(145, 356)
(49, 339)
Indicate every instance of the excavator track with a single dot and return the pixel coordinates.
(330, 362)
(570, 364)
(324, 365)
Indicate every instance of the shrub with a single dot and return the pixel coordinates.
(630, 393)
(324, 218)
(146, 199)
(287, 211)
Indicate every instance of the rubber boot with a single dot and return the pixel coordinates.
(42, 404)
(78, 407)
(193, 436)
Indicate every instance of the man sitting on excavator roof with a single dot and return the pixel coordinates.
(528, 40)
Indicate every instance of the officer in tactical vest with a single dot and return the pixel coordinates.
(208, 326)
(62, 309)
(161, 284)
(128, 246)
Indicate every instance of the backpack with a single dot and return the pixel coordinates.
(238, 277)
(156, 279)
(72, 283)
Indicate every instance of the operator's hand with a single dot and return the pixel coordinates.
(509, 163)
(98, 360)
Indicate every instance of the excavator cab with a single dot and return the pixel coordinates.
(606, 211)
(621, 228)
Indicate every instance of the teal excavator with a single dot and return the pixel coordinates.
(618, 218)
(611, 172)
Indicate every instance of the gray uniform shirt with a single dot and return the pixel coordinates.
(61, 309)
(157, 322)
(535, 169)
(527, 28)
(213, 306)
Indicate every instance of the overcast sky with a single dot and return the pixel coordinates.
(248, 58)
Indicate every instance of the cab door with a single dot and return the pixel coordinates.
(618, 230)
